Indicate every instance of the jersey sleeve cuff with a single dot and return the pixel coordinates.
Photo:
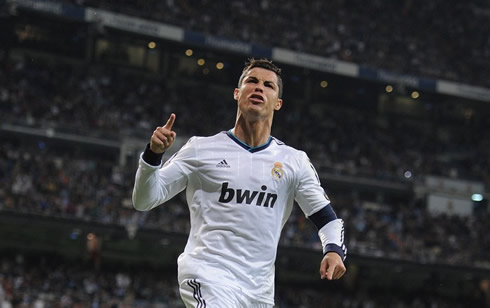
(332, 237)
(341, 251)
(152, 158)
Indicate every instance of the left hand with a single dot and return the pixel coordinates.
(332, 266)
(163, 137)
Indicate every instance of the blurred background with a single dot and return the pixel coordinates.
(390, 99)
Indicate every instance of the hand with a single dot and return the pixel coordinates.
(332, 266)
(163, 137)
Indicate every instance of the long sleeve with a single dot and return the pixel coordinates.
(154, 185)
(315, 204)
(309, 193)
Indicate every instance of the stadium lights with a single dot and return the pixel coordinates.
(388, 89)
(189, 52)
(477, 197)
(323, 84)
(201, 62)
(152, 45)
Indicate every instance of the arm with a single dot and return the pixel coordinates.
(316, 205)
(154, 185)
(331, 233)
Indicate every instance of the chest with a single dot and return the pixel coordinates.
(246, 177)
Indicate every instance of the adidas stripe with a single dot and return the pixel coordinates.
(196, 287)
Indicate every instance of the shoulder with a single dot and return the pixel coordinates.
(297, 158)
(199, 140)
(193, 148)
(283, 147)
(199, 143)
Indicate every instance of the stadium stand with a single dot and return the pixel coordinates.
(69, 109)
(455, 48)
(50, 281)
(43, 181)
(100, 101)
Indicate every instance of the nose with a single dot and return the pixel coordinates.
(259, 87)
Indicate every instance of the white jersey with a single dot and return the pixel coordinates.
(239, 200)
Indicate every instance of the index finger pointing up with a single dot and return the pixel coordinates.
(170, 122)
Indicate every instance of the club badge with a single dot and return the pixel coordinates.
(277, 172)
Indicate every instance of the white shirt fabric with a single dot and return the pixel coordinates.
(239, 200)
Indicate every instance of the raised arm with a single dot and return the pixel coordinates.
(155, 185)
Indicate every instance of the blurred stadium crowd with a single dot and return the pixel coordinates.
(381, 34)
(45, 181)
(96, 100)
(108, 103)
(52, 282)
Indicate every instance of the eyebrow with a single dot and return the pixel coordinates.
(265, 82)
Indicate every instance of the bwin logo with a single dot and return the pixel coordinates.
(247, 196)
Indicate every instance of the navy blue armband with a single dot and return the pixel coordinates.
(151, 157)
(323, 216)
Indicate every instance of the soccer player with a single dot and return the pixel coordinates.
(240, 188)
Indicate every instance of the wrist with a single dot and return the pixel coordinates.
(332, 237)
(152, 158)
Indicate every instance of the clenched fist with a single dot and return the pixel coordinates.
(163, 137)
(332, 266)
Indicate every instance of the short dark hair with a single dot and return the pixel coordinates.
(265, 64)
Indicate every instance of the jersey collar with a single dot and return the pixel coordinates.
(246, 146)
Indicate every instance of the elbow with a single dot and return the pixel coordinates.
(147, 196)
(142, 204)
(141, 208)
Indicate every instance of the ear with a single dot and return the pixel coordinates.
(278, 104)
(235, 93)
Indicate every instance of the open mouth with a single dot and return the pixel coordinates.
(256, 98)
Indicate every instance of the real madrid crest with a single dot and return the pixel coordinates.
(277, 172)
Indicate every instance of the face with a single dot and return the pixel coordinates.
(258, 95)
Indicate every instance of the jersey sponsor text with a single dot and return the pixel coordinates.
(246, 196)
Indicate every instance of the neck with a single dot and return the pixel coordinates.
(252, 133)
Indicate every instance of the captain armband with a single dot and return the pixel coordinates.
(332, 237)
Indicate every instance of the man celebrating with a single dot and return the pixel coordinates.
(240, 187)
